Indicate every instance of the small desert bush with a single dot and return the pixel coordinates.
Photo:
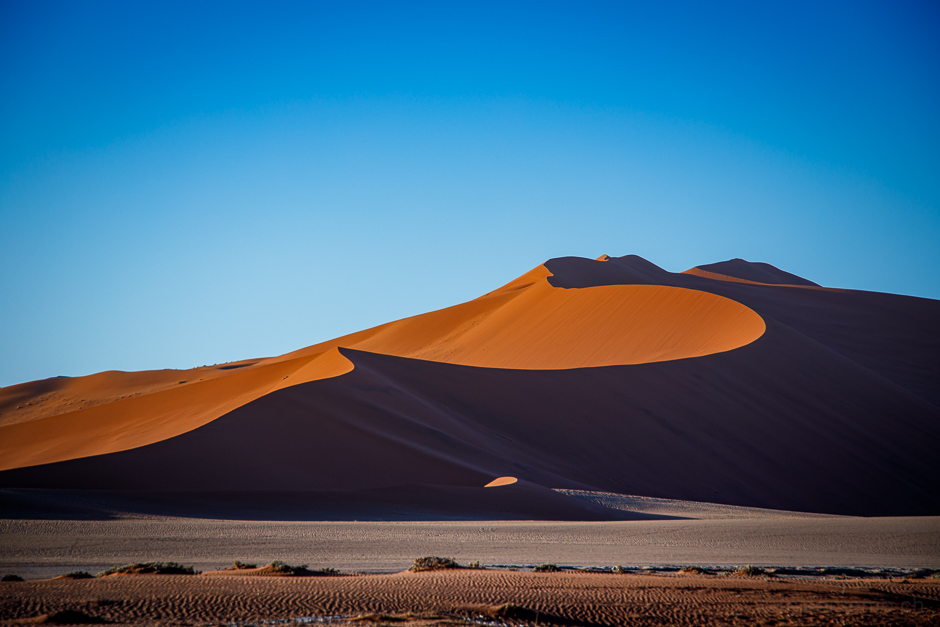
(286, 569)
(475, 566)
(619, 570)
(77, 574)
(750, 571)
(11, 577)
(150, 568)
(433, 563)
(693, 570)
(546, 568)
(243, 565)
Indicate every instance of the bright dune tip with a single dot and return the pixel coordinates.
(501, 481)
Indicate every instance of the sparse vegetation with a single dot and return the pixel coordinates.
(546, 568)
(243, 565)
(11, 577)
(619, 570)
(750, 571)
(433, 563)
(150, 568)
(475, 566)
(287, 570)
(693, 570)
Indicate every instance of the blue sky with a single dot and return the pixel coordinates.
(192, 183)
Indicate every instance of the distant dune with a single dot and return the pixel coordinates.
(722, 384)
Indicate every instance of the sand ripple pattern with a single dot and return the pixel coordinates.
(566, 598)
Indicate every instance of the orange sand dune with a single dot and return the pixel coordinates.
(526, 324)
(62, 395)
(833, 409)
(530, 325)
(139, 420)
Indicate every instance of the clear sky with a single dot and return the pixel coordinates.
(188, 183)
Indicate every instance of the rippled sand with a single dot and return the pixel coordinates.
(444, 597)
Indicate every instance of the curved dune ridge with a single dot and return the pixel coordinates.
(527, 324)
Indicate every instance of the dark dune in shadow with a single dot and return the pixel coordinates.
(834, 409)
(756, 272)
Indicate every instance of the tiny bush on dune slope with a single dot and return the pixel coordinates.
(150, 568)
(281, 568)
(546, 568)
(433, 563)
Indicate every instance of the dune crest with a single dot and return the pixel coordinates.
(530, 325)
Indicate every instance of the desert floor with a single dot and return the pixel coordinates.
(41, 549)
(46, 548)
(482, 597)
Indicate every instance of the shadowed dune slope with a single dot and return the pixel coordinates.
(754, 272)
(833, 409)
(527, 324)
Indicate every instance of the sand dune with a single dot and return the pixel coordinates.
(527, 324)
(610, 376)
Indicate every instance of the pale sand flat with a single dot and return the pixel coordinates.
(43, 548)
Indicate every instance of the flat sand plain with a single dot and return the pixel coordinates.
(46, 548)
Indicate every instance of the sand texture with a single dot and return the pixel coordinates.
(452, 597)
(609, 375)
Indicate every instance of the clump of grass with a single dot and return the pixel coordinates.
(243, 565)
(546, 568)
(750, 571)
(150, 568)
(77, 574)
(287, 570)
(11, 577)
(693, 570)
(475, 565)
(433, 563)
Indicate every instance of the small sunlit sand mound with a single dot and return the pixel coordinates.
(501, 481)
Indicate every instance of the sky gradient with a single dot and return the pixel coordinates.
(184, 185)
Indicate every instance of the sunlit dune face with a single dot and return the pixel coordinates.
(547, 328)
(501, 481)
